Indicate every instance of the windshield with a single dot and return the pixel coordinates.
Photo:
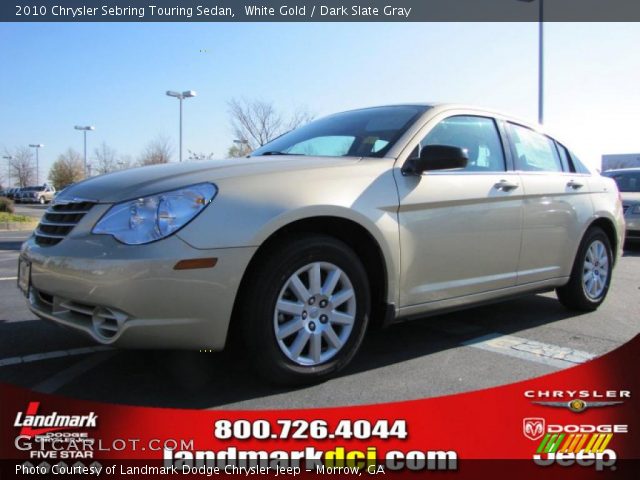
(627, 181)
(369, 132)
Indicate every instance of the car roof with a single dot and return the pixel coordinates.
(622, 170)
(436, 107)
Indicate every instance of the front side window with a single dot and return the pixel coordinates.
(477, 136)
(534, 152)
(370, 132)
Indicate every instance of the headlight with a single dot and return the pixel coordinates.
(147, 219)
(635, 209)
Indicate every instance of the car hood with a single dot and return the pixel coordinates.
(630, 196)
(138, 182)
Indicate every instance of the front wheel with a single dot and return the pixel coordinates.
(306, 310)
(42, 201)
(591, 273)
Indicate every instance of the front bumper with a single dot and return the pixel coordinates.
(131, 296)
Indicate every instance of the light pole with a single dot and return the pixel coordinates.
(241, 142)
(540, 58)
(181, 96)
(37, 146)
(8, 158)
(85, 129)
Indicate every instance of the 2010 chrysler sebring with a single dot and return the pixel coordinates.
(372, 215)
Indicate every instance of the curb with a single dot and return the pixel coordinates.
(17, 226)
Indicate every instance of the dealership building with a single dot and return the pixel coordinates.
(621, 160)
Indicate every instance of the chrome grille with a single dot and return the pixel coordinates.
(59, 220)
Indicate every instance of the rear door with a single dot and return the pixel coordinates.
(460, 230)
(556, 205)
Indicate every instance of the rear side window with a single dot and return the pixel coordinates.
(534, 152)
(477, 136)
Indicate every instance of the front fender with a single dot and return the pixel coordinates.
(250, 209)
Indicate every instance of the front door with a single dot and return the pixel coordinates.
(460, 230)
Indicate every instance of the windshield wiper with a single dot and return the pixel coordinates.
(279, 153)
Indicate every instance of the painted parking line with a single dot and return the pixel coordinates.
(37, 357)
(2, 279)
(531, 350)
(63, 377)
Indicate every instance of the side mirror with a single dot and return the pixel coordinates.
(436, 157)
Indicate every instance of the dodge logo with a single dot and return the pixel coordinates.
(533, 428)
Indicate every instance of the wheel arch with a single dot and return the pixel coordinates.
(609, 228)
(352, 233)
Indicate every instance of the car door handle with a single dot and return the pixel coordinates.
(575, 185)
(506, 185)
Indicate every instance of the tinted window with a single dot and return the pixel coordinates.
(627, 181)
(533, 152)
(577, 164)
(477, 136)
(369, 132)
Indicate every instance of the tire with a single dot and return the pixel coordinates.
(42, 201)
(587, 288)
(318, 353)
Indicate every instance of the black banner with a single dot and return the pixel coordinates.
(319, 11)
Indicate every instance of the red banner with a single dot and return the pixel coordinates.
(579, 421)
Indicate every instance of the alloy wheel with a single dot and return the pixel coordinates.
(314, 313)
(595, 271)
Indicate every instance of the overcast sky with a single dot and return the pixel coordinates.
(113, 76)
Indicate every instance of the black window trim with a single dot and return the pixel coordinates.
(569, 167)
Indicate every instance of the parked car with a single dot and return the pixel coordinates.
(11, 193)
(628, 181)
(40, 194)
(368, 216)
(20, 193)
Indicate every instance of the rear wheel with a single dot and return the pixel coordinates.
(306, 310)
(591, 273)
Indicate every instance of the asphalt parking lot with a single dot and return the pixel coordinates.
(476, 348)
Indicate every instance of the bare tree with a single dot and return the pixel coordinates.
(22, 166)
(300, 117)
(259, 122)
(124, 162)
(157, 151)
(67, 169)
(199, 155)
(105, 159)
